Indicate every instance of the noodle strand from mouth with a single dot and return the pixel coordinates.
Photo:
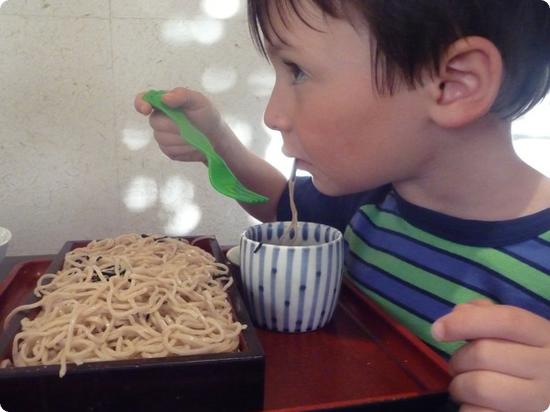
(290, 231)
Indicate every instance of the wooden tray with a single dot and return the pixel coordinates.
(199, 382)
(362, 359)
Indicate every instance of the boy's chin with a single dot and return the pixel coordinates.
(329, 188)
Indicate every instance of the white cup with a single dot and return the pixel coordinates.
(5, 236)
(291, 287)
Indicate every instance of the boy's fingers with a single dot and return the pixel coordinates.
(473, 303)
(479, 302)
(501, 356)
(497, 391)
(470, 322)
(169, 139)
(182, 153)
(473, 408)
(183, 97)
(141, 105)
(161, 123)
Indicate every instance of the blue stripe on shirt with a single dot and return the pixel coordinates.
(405, 295)
(531, 252)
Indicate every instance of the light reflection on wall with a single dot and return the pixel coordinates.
(219, 79)
(176, 32)
(203, 31)
(242, 129)
(221, 9)
(136, 139)
(176, 198)
(175, 190)
(141, 194)
(207, 31)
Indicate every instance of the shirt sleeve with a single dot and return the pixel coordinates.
(314, 206)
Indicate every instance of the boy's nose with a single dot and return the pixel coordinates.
(276, 113)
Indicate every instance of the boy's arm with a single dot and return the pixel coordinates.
(256, 174)
(250, 169)
(505, 366)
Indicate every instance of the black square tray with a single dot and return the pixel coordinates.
(228, 381)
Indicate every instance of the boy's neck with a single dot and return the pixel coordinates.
(476, 174)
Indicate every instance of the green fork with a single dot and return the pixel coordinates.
(221, 177)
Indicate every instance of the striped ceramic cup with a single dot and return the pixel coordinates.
(291, 285)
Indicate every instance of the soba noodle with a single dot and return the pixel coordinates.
(294, 211)
(125, 298)
(291, 228)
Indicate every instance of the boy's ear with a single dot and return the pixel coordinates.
(467, 84)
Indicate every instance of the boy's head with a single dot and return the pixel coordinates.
(410, 38)
(370, 92)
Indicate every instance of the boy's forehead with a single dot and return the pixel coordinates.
(291, 23)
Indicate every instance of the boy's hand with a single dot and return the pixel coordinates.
(200, 112)
(253, 171)
(505, 366)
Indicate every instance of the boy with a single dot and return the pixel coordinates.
(401, 112)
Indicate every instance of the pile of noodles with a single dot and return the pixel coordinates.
(134, 296)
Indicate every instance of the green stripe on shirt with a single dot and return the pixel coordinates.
(515, 270)
(545, 236)
(417, 325)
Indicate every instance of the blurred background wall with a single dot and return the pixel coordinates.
(76, 161)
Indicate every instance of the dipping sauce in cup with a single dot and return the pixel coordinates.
(291, 283)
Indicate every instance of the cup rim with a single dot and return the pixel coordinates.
(338, 238)
(5, 236)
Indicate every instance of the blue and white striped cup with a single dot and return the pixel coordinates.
(291, 287)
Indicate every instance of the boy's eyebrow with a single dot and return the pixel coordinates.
(278, 46)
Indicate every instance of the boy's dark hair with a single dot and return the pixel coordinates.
(411, 36)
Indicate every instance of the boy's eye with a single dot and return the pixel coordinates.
(297, 73)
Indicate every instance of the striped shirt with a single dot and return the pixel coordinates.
(418, 264)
